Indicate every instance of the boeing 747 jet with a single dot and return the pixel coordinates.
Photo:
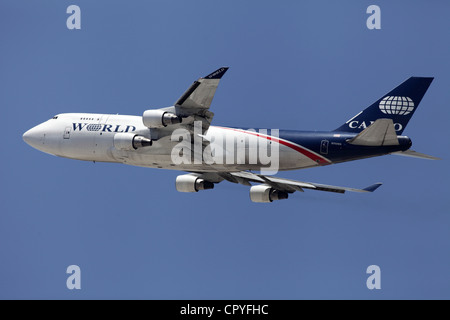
(181, 137)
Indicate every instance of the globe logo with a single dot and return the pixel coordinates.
(94, 127)
(396, 105)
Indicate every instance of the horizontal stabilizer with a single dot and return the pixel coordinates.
(380, 133)
(415, 154)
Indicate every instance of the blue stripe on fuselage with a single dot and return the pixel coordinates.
(338, 149)
(334, 146)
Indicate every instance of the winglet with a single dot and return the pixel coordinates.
(373, 187)
(217, 74)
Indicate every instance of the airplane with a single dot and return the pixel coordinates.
(181, 137)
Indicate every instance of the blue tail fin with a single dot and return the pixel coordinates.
(398, 105)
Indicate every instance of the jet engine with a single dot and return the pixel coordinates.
(264, 193)
(126, 141)
(191, 183)
(159, 118)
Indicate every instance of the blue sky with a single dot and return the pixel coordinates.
(307, 65)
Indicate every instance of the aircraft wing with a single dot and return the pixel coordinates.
(287, 185)
(194, 104)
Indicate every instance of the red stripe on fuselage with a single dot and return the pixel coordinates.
(313, 156)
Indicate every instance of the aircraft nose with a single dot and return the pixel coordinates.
(34, 137)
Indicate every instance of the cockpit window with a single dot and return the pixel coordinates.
(55, 117)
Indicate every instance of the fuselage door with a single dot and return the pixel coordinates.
(324, 146)
(67, 132)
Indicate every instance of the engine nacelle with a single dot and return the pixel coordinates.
(126, 141)
(191, 183)
(263, 193)
(159, 118)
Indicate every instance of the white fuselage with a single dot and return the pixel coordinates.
(90, 137)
